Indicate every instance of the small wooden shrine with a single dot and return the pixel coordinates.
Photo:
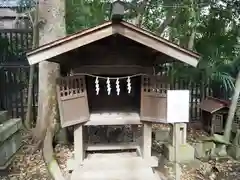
(214, 114)
(108, 79)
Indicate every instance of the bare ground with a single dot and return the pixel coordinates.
(29, 165)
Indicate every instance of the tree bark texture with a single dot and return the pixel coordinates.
(141, 11)
(232, 110)
(52, 18)
(169, 18)
(191, 39)
(52, 27)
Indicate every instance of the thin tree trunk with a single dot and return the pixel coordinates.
(232, 110)
(35, 44)
(52, 164)
(169, 18)
(191, 39)
(193, 31)
(141, 12)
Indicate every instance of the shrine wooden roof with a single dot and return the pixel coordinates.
(139, 35)
(212, 105)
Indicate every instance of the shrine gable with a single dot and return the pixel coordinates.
(159, 46)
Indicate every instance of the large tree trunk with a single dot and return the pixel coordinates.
(232, 109)
(52, 16)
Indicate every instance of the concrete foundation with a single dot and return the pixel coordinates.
(8, 148)
(204, 149)
(234, 151)
(221, 150)
(10, 139)
(186, 152)
(3, 116)
(9, 127)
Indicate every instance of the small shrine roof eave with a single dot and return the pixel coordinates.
(139, 35)
(212, 105)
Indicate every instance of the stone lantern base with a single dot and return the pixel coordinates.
(186, 152)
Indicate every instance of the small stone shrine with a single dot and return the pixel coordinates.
(186, 151)
(234, 148)
(214, 114)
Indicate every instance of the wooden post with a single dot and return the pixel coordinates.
(147, 140)
(79, 153)
(134, 131)
(176, 136)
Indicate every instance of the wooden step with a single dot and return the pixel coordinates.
(113, 163)
(97, 119)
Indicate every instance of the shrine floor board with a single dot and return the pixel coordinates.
(113, 118)
(114, 166)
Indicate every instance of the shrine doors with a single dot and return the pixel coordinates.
(154, 98)
(72, 100)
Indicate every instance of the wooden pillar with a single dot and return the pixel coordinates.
(147, 140)
(79, 152)
(134, 131)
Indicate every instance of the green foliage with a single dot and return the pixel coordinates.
(82, 14)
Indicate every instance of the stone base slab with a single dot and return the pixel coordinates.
(204, 149)
(8, 148)
(234, 151)
(9, 127)
(186, 152)
(3, 116)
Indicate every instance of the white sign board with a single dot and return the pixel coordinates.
(178, 106)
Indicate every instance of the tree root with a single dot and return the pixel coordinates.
(48, 156)
(55, 170)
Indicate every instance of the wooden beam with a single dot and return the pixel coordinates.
(34, 58)
(108, 122)
(134, 131)
(160, 39)
(154, 44)
(119, 47)
(112, 146)
(113, 70)
(147, 140)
